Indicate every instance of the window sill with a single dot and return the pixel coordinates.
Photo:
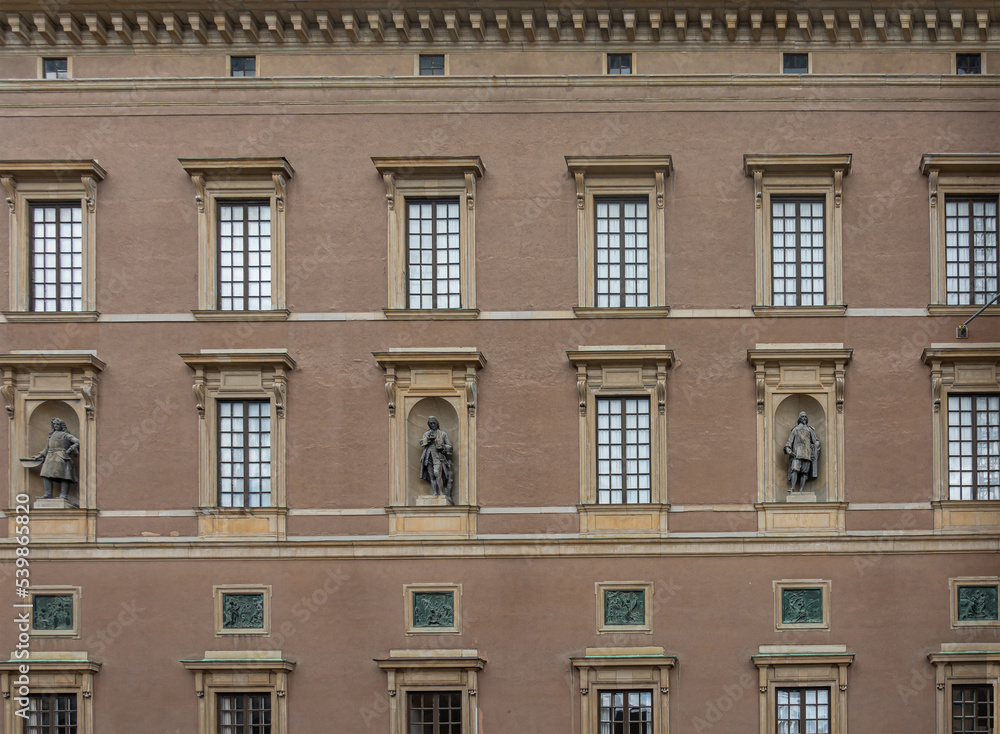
(241, 523)
(967, 516)
(593, 312)
(624, 520)
(941, 309)
(278, 314)
(35, 317)
(431, 314)
(800, 311)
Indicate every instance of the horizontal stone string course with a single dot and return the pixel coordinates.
(438, 28)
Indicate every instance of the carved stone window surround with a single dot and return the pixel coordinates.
(962, 665)
(430, 177)
(623, 668)
(219, 592)
(795, 176)
(816, 373)
(451, 376)
(803, 666)
(432, 670)
(32, 381)
(51, 672)
(793, 584)
(221, 179)
(642, 176)
(644, 587)
(950, 174)
(622, 371)
(409, 590)
(227, 671)
(231, 375)
(956, 370)
(45, 181)
(72, 591)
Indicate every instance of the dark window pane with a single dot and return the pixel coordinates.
(243, 66)
(244, 713)
(432, 65)
(972, 709)
(803, 709)
(51, 713)
(434, 712)
(968, 63)
(795, 63)
(619, 63)
(55, 68)
(625, 712)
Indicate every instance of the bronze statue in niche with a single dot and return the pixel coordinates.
(56, 460)
(802, 448)
(435, 464)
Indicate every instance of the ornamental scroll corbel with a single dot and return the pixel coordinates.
(280, 186)
(758, 188)
(838, 187)
(932, 179)
(199, 185)
(470, 190)
(580, 188)
(471, 392)
(661, 389)
(390, 389)
(838, 388)
(89, 393)
(280, 390)
(390, 190)
(761, 391)
(661, 177)
(90, 184)
(10, 186)
(7, 391)
(581, 388)
(936, 384)
(199, 394)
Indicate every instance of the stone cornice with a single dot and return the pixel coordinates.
(52, 169)
(242, 167)
(200, 23)
(961, 164)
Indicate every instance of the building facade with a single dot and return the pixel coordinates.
(452, 368)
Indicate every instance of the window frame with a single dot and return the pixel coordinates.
(41, 67)
(960, 665)
(959, 370)
(228, 672)
(802, 666)
(52, 728)
(67, 673)
(798, 177)
(427, 671)
(222, 375)
(430, 177)
(982, 64)
(807, 70)
(418, 67)
(625, 177)
(239, 180)
(607, 64)
(613, 372)
(232, 59)
(611, 669)
(968, 175)
(45, 182)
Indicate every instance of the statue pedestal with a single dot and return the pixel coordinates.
(54, 504)
(433, 500)
(801, 497)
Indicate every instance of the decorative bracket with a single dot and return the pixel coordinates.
(584, 691)
(664, 690)
(389, 179)
(660, 187)
(199, 393)
(843, 688)
(838, 387)
(470, 190)
(90, 184)
(10, 186)
(763, 689)
(580, 188)
(932, 177)
(661, 388)
(758, 188)
(940, 686)
(7, 391)
(280, 393)
(280, 186)
(761, 390)
(936, 384)
(471, 391)
(392, 693)
(390, 389)
(838, 187)
(581, 387)
(199, 197)
(472, 691)
(89, 392)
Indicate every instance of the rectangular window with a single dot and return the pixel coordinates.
(795, 63)
(244, 713)
(974, 447)
(626, 712)
(431, 64)
(968, 64)
(56, 257)
(55, 68)
(803, 710)
(622, 252)
(435, 712)
(244, 256)
(51, 713)
(244, 453)
(619, 63)
(798, 246)
(972, 709)
(970, 231)
(623, 456)
(433, 254)
(243, 66)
